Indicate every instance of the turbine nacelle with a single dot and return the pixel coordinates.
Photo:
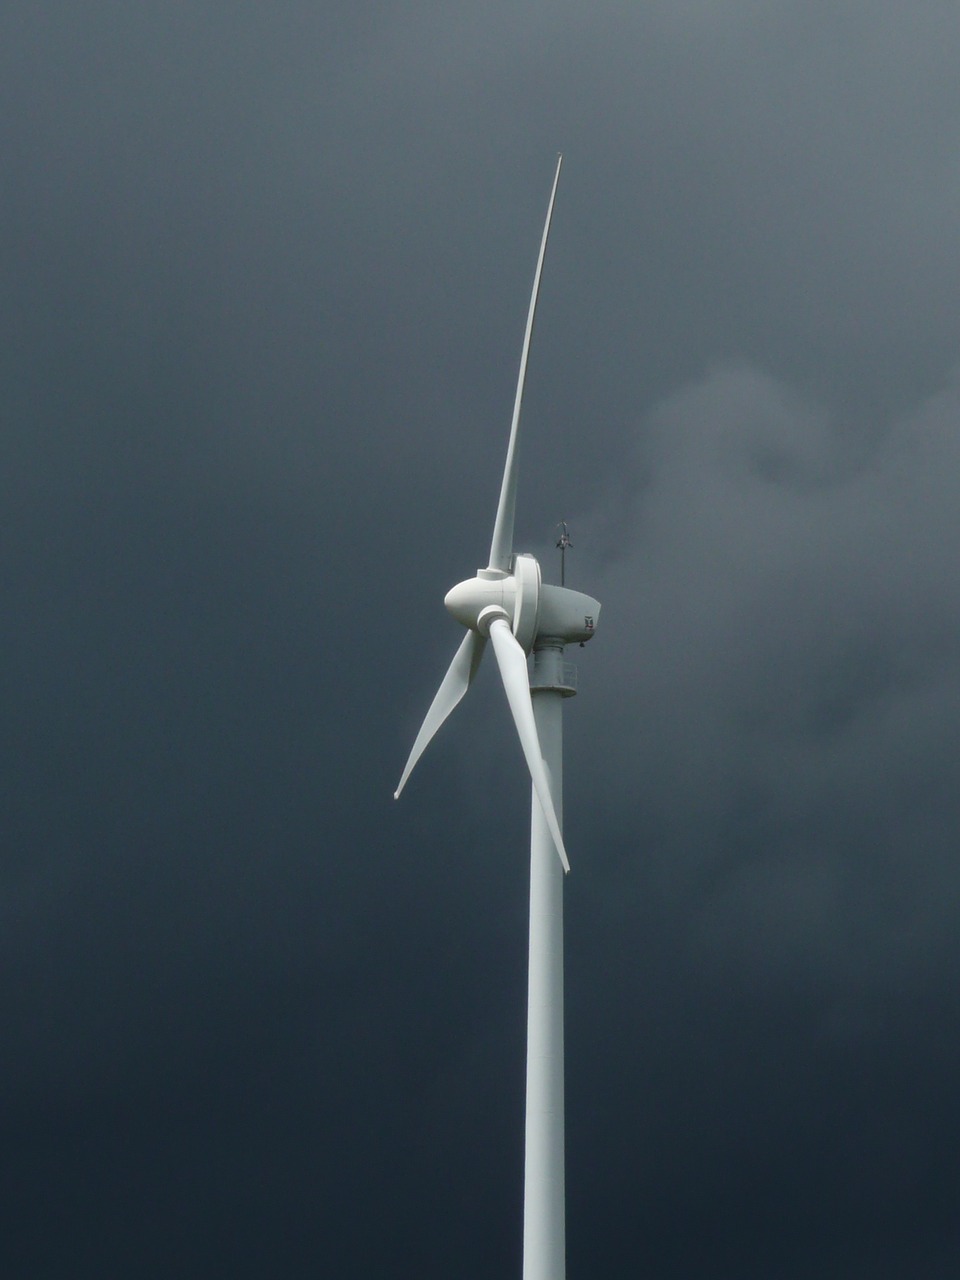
(565, 615)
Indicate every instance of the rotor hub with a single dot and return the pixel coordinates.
(491, 592)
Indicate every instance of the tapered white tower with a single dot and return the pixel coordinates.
(508, 604)
(544, 1214)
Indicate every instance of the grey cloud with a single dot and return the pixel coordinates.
(781, 667)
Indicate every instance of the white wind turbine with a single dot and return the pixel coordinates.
(508, 604)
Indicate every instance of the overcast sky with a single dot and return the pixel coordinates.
(264, 277)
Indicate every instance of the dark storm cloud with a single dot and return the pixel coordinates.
(261, 306)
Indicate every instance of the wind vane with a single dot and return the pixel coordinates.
(563, 542)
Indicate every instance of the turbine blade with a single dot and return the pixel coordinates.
(455, 684)
(513, 673)
(501, 547)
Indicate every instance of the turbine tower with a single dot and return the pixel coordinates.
(508, 604)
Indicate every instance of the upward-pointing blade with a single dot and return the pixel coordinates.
(513, 672)
(501, 547)
(455, 684)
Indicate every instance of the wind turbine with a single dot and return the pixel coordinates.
(508, 604)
